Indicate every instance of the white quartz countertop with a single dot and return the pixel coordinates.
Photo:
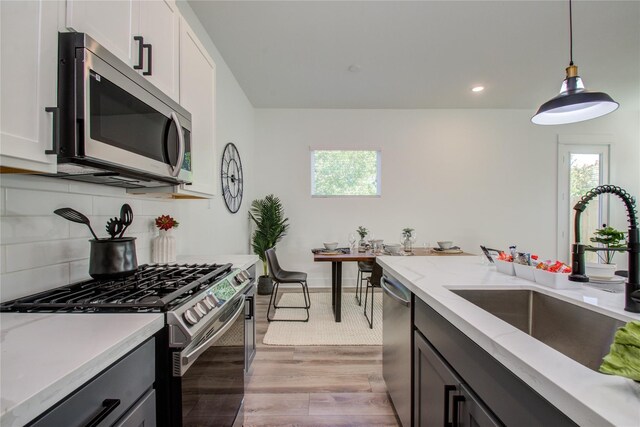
(45, 357)
(238, 261)
(587, 397)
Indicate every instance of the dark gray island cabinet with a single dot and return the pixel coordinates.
(457, 383)
(122, 395)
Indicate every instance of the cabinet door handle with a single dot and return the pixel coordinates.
(149, 58)
(456, 401)
(140, 41)
(55, 141)
(108, 405)
(447, 391)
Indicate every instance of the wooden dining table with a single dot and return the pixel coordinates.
(336, 259)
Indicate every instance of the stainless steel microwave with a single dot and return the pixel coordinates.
(112, 126)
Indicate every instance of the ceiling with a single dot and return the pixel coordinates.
(423, 54)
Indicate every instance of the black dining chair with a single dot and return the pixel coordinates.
(373, 282)
(364, 267)
(278, 275)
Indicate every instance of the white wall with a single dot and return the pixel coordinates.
(471, 176)
(210, 227)
(39, 250)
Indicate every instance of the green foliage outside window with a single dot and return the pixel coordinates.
(345, 173)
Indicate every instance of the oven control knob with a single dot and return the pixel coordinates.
(212, 301)
(208, 303)
(201, 309)
(190, 317)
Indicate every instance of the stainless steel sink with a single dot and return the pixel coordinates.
(579, 333)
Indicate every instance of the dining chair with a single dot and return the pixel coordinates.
(364, 267)
(278, 275)
(373, 281)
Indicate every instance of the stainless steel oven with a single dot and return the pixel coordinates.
(208, 383)
(113, 123)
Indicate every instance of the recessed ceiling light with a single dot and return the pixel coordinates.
(477, 88)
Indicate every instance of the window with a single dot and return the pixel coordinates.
(581, 168)
(339, 173)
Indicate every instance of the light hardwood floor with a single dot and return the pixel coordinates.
(315, 385)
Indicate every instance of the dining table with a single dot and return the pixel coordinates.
(337, 257)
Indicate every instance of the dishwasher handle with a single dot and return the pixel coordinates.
(387, 285)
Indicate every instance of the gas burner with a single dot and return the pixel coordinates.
(153, 288)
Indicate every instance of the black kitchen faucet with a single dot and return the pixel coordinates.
(632, 287)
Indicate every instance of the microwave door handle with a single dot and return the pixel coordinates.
(176, 169)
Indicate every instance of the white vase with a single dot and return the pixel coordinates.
(164, 248)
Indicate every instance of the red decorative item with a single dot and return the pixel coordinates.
(166, 222)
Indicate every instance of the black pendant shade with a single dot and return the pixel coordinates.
(574, 103)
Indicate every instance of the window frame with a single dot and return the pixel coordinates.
(585, 144)
(378, 194)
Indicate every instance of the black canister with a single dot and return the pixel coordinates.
(113, 258)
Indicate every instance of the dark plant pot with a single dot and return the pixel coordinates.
(265, 285)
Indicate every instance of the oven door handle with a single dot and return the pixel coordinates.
(181, 148)
(193, 354)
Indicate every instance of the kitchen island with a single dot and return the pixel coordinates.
(585, 396)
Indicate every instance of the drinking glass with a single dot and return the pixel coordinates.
(352, 242)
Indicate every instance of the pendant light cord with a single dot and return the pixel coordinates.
(570, 35)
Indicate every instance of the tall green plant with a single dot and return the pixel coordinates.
(271, 225)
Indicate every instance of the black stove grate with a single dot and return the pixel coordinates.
(153, 288)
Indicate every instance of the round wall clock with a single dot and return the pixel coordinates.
(231, 177)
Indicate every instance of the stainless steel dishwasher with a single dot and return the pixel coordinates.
(396, 341)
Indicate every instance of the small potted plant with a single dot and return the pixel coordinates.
(407, 238)
(164, 245)
(609, 240)
(363, 233)
(271, 227)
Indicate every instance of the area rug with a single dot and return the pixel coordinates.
(321, 329)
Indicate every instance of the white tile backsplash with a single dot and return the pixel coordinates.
(79, 270)
(40, 254)
(37, 202)
(24, 229)
(39, 250)
(33, 182)
(2, 200)
(26, 282)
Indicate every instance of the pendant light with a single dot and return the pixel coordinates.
(574, 103)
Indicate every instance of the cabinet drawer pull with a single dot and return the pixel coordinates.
(55, 141)
(108, 405)
(447, 391)
(140, 41)
(456, 401)
(149, 58)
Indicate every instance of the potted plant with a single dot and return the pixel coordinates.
(271, 227)
(407, 238)
(609, 240)
(363, 233)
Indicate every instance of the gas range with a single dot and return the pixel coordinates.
(209, 314)
(191, 295)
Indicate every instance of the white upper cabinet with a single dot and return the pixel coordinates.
(143, 34)
(112, 23)
(197, 95)
(160, 28)
(29, 55)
